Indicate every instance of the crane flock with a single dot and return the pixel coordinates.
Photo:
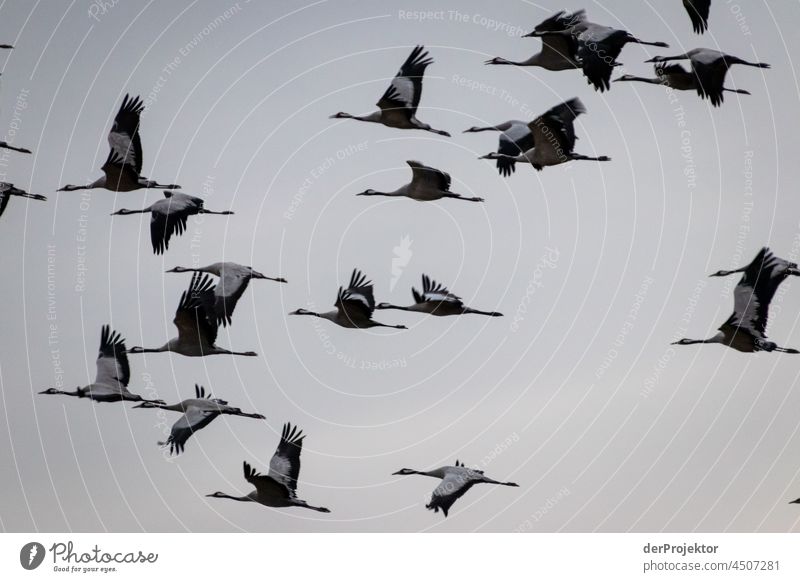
(569, 42)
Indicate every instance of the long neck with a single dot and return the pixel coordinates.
(502, 61)
(194, 270)
(499, 156)
(726, 273)
(665, 59)
(72, 188)
(173, 407)
(234, 497)
(204, 211)
(642, 80)
(632, 38)
(373, 117)
(139, 398)
(423, 473)
(80, 393)
(493, 482)
(140, 350)
(153, 184)
(437, 473)
(276, 279)
(377, 324)
(390, 306)
(376, 193)
(142, 211)
(231, 411)
(719, 338)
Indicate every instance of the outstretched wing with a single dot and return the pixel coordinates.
(112, 361)
(558, 47)
(561, 21)
(434, 292)
(265, 485)
(5, 195)
(698, 12)
(710, 74)
(117, 171)
(598, 49)
(555, 128)
(425, 174)
(754, 292)
(193, 419)
(124, 135)
(230, 288)
(194, 317)
(454, 485)
(169, 216)
(516, 140)
(284, 467)
(405, 90)
(357, 301)
(663, 70)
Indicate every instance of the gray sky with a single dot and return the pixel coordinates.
(575, 394)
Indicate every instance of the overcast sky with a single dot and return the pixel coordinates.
(576, 394)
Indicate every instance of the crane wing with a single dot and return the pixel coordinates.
(168, 217)
(113, 370)
(710, 76)
(663, 69)
(598, 63)
(194, 317)
(357, 301)
(754, 292)
(698, 13)
(561, 21)
(516, 140)
(405, 90)
(265, 485)
(230, 288)
(117, 171)
(436, 178)
(454, 485)
(193, 419)
(559, 47)
(284, 467)
(124, 135)
(434, 292)
(555, 129)
(5, 195)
